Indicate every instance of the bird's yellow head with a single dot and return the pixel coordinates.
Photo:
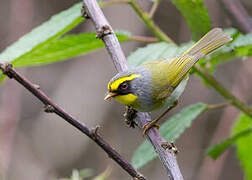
(120, 88)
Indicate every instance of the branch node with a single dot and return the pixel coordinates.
(139, 177)
(49, 108)
(130, 116)
(170, 146)
(94, 132)
(84, 12)
(104, 31)
(6, 68)
(36, 86)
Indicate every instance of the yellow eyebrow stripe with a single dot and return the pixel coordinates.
(114, 85)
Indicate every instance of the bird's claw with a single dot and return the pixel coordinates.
(130, 123)
(130, 116)
(149, 125)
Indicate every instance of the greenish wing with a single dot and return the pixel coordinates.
(161, 77)
(176, 69)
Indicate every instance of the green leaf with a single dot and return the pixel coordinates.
(196, 16)
(244, 144)
(55, 27)
(215, 151)
(170, 130)
(85, 173)
(64, 48)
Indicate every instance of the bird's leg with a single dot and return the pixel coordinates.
(149, 125)
(130, 115)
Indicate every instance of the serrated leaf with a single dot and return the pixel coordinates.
(215, 151)
(64, 48)
(170, 130)
(244, 144)
(196, 16)
(55, 27)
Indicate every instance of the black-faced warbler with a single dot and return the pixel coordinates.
(147, 87)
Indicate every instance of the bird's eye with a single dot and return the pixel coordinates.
(124, 86)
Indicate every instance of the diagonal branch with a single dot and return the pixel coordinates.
(105, 32)
(51, 107)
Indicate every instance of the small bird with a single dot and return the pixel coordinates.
(147, 87)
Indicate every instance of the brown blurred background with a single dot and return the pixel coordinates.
(35, 145)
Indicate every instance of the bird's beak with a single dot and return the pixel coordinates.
(110, 95)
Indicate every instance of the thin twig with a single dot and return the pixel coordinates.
(201, 72)
(154, 8)
(144, 39)
(218, 106)
(150, 23)
(105, 32)
(238, 15)
(52, 107)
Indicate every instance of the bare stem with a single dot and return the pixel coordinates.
(154, 8)
(52, 107)
(218, 106)
(150, 23)
(144, 39)
(105, 32)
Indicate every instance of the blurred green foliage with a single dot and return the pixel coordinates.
(87, 174)
(46, 44)
(244, 144)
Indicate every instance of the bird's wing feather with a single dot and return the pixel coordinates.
(169, 73)
(208, 43)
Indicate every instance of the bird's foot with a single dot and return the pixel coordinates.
(149, 125)
(130, 115)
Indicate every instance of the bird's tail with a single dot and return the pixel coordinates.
(208, 43)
